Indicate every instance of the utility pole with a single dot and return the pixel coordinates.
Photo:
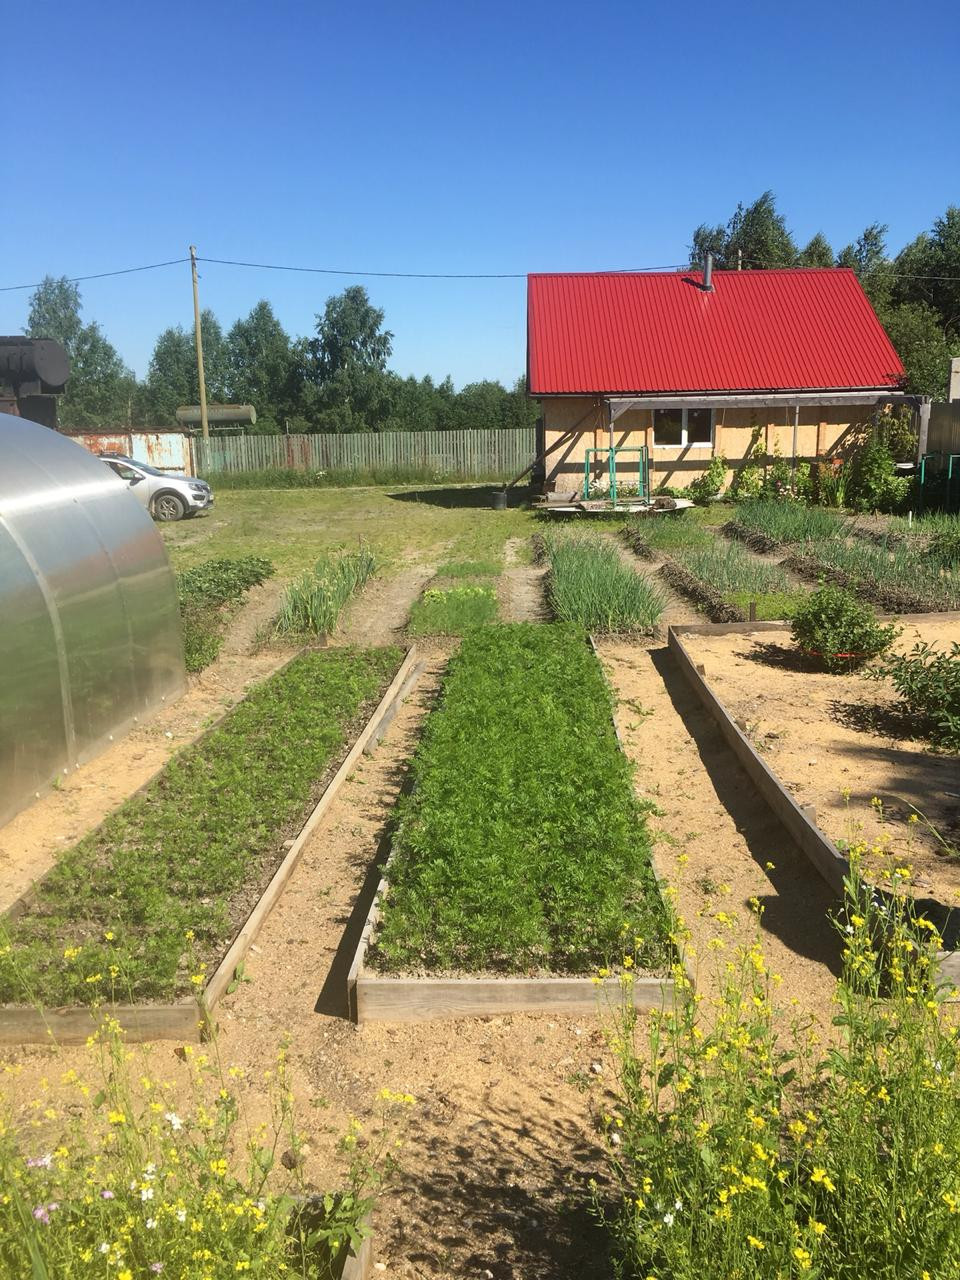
(204, 425)
(739, 259)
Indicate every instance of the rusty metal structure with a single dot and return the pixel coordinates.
(33, 372)
(91, 636)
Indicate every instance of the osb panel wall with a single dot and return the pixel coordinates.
(823, 432)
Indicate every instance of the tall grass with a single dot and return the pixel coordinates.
(588, 583)
(789, 521)
(728, 568)
(312, 604)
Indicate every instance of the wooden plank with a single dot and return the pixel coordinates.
(224, 973)
(423, 999)
(819, 848)
(180, 1021)
(359, 1266)
(186, 1019)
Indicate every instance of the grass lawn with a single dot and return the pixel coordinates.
(293, 528)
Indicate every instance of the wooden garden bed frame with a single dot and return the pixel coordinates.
(375, 997)
(189, 1018)
(799, 820)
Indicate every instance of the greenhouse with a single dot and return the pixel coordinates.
(91, 630)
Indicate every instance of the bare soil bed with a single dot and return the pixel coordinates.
(837, 742)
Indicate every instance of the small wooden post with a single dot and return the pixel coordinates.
(752, 611)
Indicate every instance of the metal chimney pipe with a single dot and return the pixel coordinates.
(708, 274)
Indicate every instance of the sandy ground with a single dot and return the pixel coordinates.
(717, 836)
(838, 741)
(31, 842)
(676, 608)
(520, 589)
(502, 1141)
(378, 615)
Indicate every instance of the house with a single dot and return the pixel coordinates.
(702, 363)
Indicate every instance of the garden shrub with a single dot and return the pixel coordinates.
(740, 1149)
(838, 630)
(709, 484)
(928, 682)
(874, 484)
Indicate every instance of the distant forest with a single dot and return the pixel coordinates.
(338, 380)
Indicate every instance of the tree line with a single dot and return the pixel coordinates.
(337, 380)
(915, 293)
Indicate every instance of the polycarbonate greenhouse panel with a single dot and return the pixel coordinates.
(91, 627)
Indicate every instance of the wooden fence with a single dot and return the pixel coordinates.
(499, 453)
(944, 433)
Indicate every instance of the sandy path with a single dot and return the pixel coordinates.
(712, 814)
(520, 589)
(677, 609)
(33, 840)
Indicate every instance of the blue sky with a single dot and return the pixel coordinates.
(486, 137)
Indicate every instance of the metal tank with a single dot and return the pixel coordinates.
(89, 623)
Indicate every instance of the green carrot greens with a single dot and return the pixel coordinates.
(523, 847)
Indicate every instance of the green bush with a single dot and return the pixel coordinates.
(839, 630)
(928, 682)
(874, 484)
(711, 482)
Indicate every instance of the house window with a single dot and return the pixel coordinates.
(682, 428)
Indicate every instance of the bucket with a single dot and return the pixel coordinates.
(498, 500)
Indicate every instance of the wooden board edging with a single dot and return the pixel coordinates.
(800, 824)
(819, 848)
(374, 997)
(189, 1019)
(359, 1266)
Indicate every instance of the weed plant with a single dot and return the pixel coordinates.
(453, 612)
(727, 568)
(928, 682)
(740, 1147)
(523, 847)
(117, 1175)
(785, 521)
(142, 907)
(312, 604)
(205, 592)
(589, 585)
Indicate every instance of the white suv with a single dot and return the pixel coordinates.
(166, 496)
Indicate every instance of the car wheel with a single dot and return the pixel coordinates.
(167, 506)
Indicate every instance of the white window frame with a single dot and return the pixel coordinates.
(684, 444)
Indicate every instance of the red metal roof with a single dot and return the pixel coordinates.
(791, 330)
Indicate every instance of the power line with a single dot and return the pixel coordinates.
(400, 275)
(100, 275)
(424, 275)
